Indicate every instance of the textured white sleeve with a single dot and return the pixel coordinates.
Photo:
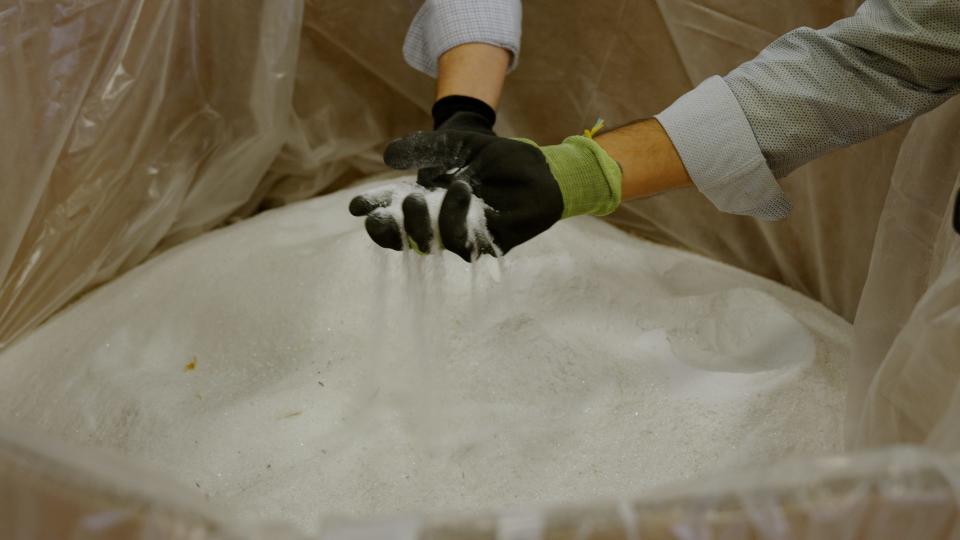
(721, 154)
(441, 25)
(811, 92)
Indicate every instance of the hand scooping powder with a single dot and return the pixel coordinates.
(389, 223)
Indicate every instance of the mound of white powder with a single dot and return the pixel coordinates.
(289, 369)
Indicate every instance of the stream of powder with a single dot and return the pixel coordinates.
(395, 193)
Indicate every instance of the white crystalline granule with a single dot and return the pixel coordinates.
(289, 369)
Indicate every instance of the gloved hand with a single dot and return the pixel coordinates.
(462, 114)
(524, 189)
(457, 113)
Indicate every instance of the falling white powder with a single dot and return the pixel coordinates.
(332, 377)
(396, 192)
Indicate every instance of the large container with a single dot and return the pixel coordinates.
(121, 120)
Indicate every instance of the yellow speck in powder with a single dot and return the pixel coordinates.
(192, 365)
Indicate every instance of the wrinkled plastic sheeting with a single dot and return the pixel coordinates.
(344, 110)
(50, 491)
(905, 376)
(125, 122)
(132, 125)
(895, 493)
(898, 492)
(129, 125)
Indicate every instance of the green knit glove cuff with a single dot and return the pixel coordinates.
(589, 179)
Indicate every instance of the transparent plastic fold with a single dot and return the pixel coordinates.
(132, 125)
(50, 491)
(906, 380)
(126, 122)
(899, 492)
(128, 126)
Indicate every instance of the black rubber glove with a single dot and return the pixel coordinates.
(463, 113)
(520, 197)
(457, 113)
(487, 193)
(460, 114)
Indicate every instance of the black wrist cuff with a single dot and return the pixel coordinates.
(446, 107)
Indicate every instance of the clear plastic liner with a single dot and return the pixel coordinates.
(905, 383)
(126, 122)
(50, 491)
(129, 126)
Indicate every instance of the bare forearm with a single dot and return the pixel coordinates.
(649, 160)
(476, 70)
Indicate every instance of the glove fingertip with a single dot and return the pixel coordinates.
(459, 194)
(384, 231)
(360, 206)
(414, 203)
(401, 154)
(452, 220)
(395, 153)
(416, 221)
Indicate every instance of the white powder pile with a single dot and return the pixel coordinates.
(289, 369)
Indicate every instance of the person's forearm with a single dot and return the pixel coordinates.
(813, 91)
(475, 70)
(649, 162)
